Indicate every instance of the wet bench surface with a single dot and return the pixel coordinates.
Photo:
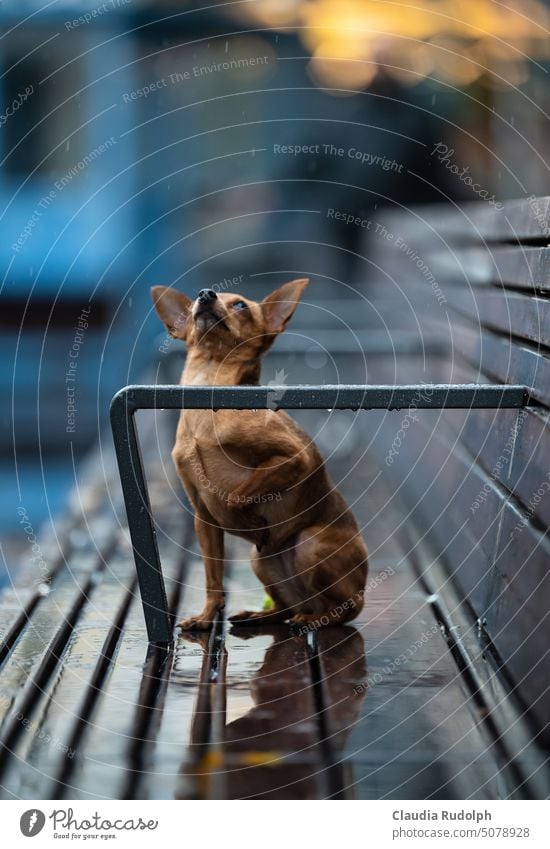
(380, 708)
(408, 700)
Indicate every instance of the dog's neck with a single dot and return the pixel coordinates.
(202, 370)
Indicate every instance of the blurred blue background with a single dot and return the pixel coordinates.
(143, 143)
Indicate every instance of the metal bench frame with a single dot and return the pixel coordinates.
(361, 397)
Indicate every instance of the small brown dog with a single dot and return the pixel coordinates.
(260, 479)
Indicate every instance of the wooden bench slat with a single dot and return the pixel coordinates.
(468, 476)
(415, 736)
(522, 317)
(526, 220)
(513, 448)
(519, 463)
(514, 267)
(44, 632)
(61, 706)
(443, 490)
(503, 360)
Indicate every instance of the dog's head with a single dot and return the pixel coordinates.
(224, 323)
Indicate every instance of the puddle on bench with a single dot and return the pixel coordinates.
(286, 715)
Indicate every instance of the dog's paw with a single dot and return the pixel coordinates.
(259, 617)
(308, 619)
(245, 617)
(195, 623)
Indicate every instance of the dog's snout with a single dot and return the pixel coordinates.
(206, 295)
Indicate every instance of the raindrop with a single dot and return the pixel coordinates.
(316, 358)
(130, 302)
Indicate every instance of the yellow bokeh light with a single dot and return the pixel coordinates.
(409, 62)
(456, 41)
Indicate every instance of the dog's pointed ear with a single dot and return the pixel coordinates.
(173, 308)
(278, 308)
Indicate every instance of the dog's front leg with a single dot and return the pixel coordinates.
(210, 537)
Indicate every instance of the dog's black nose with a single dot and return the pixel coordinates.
(206, 295)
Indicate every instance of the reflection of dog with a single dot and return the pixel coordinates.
(278, 748)
(262, 480)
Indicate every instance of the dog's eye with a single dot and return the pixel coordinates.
(239, 305)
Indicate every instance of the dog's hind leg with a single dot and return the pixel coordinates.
(269, 570)
(333, 560)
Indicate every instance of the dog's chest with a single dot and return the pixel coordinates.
(205, 463)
